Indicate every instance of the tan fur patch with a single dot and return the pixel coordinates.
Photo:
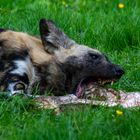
(20, 41)
(75, 50)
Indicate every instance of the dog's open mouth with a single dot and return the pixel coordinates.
(85, 83)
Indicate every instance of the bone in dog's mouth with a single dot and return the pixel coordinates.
(85, 83)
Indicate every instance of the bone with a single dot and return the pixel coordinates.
(113, 98)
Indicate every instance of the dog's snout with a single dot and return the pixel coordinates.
(119, 71)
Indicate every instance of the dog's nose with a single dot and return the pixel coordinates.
(119, 71)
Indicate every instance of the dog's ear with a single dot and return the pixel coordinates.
(52, 37)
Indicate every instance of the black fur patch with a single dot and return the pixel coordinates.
(15, 78)
(2, 66)
(19, 55)
(2, 30)
(15, 56)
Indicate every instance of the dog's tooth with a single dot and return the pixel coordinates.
(93, 89)
(112, 82)
(104, 82)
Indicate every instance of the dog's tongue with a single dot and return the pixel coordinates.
(82, 86)
(80, 89)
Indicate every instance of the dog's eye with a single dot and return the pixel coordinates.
(94, 56)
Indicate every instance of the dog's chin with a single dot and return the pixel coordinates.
(87, 82)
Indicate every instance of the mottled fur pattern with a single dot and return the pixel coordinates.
(55, 61)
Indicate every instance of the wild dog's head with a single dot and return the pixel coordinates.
(74, 66)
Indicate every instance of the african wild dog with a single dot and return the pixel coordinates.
(55, 61)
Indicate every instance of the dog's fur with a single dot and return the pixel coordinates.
(55, 61)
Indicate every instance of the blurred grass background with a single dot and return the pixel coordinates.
(100, 24)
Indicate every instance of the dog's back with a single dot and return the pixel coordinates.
(11, 41)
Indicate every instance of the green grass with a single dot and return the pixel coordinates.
(96, 23)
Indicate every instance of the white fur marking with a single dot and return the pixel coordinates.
(25, 66)
(22, 66)
(11, 89)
